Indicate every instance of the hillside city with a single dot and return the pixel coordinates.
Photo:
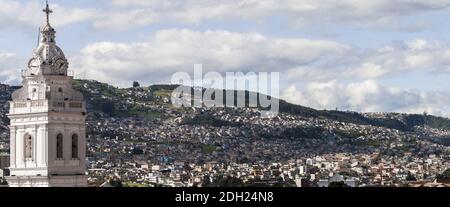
(136, 138)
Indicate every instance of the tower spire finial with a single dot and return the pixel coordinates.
(47, 11)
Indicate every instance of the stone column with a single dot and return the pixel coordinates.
(13, 146)
(20, 157)
(35, 145)
(67, 143)
(51, 144)
(42, 146)
(47, 148)
(82, 146)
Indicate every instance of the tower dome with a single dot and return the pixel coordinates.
(47, 66)
(48, 58)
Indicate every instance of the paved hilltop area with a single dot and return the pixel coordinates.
(137, 138)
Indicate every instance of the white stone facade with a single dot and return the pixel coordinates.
(48, 126)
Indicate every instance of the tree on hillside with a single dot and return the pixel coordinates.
(116, 183)
(223, 181)
(410, 177)
(444, 176)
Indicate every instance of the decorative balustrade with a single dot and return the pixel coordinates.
(70, 73)
(46, 106)
(78, 105)
(59, 104)
(20, 105)
(40, 103)
(27, 73)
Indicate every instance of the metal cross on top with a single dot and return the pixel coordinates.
(48, 11)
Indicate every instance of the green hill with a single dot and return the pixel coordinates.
(141, 102)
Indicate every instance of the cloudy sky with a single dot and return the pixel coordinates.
(362, 55)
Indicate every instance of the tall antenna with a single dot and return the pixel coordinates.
(39, 36)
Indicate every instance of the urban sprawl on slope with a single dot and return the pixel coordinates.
(137, 138)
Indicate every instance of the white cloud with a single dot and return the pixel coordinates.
(393, 59)
(65, 16)
(29, 14)
(368, 96)
(8, 71)
(356, 12)
(418, 54)
(124, 14)
(169, 51)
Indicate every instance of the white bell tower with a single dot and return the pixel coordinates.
(48, 126)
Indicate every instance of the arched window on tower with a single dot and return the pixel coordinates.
(59, 146)
(75, 146)
(34, 95)
(28, 147)
(60, 93)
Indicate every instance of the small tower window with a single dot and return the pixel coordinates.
(60, 90)
(28, 147)
(59, 146)
(34, 94)
(74, 146)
